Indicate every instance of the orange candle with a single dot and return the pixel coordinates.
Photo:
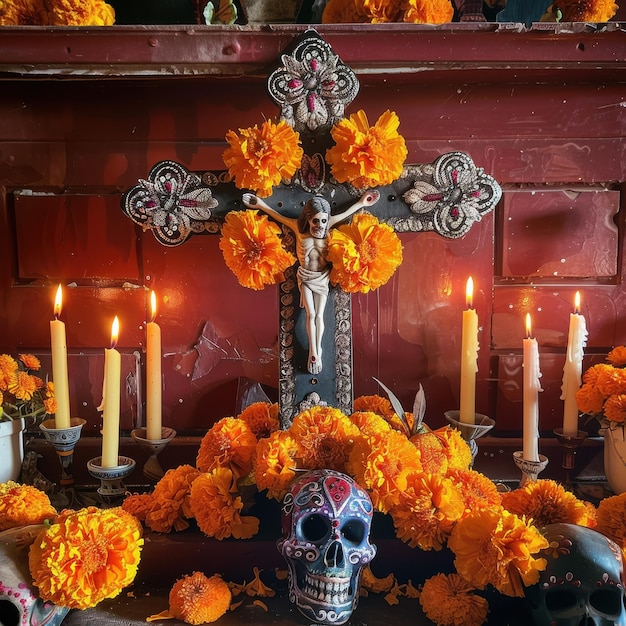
(111, 401)
(153, 375)
(469, 358)
(59, 365)
(531, 389)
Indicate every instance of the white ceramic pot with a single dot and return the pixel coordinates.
(615, 457)
(11, 449)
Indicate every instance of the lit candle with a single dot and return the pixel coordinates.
(59, 365)
(111, 401)
(153, 375)
(469, 358)
(532, 387)
(572, 371)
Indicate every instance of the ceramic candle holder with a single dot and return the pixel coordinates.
(530, 469)
(111, 478)
(470, 432)
(152, 469)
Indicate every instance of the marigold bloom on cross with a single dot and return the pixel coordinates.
(344, 166)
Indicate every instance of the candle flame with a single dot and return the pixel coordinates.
(153, 305)
(469, 293)
(528, 326)
(577, 302)
(58, 302)
(115, 331)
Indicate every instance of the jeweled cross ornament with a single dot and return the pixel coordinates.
(312, 88)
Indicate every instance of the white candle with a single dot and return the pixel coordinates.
(573, 369)
(59, 365)
(111, 401)
(153, 376)
(531, 388)
(469, 358)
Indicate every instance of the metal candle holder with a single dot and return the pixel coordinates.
(570, 445)
(111, 478)
(152, 468)
(530, 469)
(470, 432)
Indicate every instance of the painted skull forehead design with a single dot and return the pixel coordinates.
(326, 523)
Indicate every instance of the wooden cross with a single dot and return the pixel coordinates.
(312, 87)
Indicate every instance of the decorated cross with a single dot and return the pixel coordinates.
(328, 176)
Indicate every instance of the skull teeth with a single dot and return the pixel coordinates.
(333, 591)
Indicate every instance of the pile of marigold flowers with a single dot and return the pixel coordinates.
(56, 13)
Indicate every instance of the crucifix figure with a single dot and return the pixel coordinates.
(311, 232)
(312, 88)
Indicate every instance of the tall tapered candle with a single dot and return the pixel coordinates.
(111, 401)
(531, 388)
(573, 369)
(153, 375)
(469, 358)
(60, 378)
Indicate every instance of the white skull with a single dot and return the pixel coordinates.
(583, 583)
(19, 601)
(326, 524)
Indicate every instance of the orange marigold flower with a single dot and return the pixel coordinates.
(259, 158)
(617, 356)
(138, 504)
(369, 423)
(586, 10)
(23, 13)
(546, 502)
(342, 12)
(253, 250)
(367, 156)
(170, 497)
(50, 401)
(275, 463)
(22, 505)
(448, 600)
(615, 408)
(24, 385)
(230, 443)
(30, 361)
(611, 519)
(428, 508)
(216, 505)
(457, 449)
(86, 556)
(196, 599)
(376, 404)
(382, 11)
(611, 381)
(496, 547)
(262, 417)
(429, 12)
(326, 436)
(589, 399)
(364, 254)
(8, 369)
(432, 453)
(80, 13)
(477, 490)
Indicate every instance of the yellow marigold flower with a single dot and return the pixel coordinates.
(196, 599)
(615, 408)
(138, 504)
(8, 369)
(24, 385)
(428, 508)
(326, 436)
(259, 158)
(170, 509)
(383, 11)
(230, 443)
(457, 449)
(80, 13)
(22, 505)
(369, 423)
(477, 490)
(364, 254)
(429, 12)
(30, 361)
(253, 250)
(589, 399)
(23, 13)
(496, 547)
(216, 505)
(367, 156)
(546, 502)
(275, 462)
(448, 600)
(586, 10)
(85, 557)
(617, 356)
(376, 404)
(611, 519)
(262, 418)
(381, 464)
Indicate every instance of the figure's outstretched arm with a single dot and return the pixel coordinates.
(367, 199)
(254, 202)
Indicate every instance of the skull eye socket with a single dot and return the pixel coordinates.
(607, 601)
(560, 599)
(9, 614)
(315, 527)
(354, 531)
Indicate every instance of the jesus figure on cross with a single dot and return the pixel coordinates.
(311, 232)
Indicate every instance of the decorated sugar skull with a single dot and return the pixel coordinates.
(19, 601)
(326, 524)
(583, 583)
